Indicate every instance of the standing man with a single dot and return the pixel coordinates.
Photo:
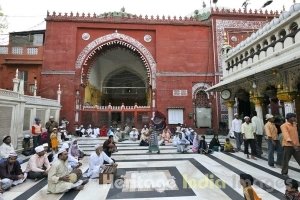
(273, 141)
(249, 137)
(36, 131)
(258, 125)
(290, 142)
(49, 126)
(236, 126)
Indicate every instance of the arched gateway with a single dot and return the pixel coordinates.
(118, 76)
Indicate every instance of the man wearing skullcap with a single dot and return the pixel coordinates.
(59, 176)
(11, 171)
(249, 137)
(273, 141)
(96, 162)
(290, 142)
(38, 164)
(6, 147)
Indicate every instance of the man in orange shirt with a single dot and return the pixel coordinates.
(36, 131)
(290, 142)
(273, 141)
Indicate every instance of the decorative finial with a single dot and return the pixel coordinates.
(123, 9)
(58, 87)
(116, 31)
(17, 73)
(204, 4)
(283, 8)
(294, 1)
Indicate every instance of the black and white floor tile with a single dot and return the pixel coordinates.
(168, 175)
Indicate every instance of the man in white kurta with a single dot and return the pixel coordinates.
(249, 137)
(58, 176)
(258, 125)
(96, 162)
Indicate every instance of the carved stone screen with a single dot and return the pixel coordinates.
(26, 122)
(5, 119)
(41, 114)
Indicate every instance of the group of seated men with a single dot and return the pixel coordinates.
(63, 172)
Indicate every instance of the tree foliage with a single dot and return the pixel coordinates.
(3, 21)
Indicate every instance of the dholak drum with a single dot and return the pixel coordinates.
(75, 175)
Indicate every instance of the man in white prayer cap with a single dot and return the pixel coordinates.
(248, 133)
(38, 164)
(11, 172)
(96, 163)
(60, 179)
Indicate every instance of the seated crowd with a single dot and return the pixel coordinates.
(61, 166)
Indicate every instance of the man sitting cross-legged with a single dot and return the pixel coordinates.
(10, 171)
(96, 163)
(60, 179)
(38, 165)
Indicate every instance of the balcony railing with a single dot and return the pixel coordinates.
(28, 50)
(281, 35)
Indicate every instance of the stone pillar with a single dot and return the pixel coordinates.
(289, 107)
(229, 104)
(34, 88)
(77, 105)
(258, 106)
(109, 114)
(135, 115)
(288, 100)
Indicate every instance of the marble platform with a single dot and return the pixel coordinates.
(168, 175)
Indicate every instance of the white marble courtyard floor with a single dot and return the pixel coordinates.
(168, 175)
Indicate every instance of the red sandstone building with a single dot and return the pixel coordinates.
(120, 68)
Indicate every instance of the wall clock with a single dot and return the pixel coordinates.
(225, 94)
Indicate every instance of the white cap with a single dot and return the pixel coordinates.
(65, 146)
(51, 117)
(246, 117)
(61, 151)
(39, 149)
(13, 154)
(269, 116)
(236, 114)
(45, 145)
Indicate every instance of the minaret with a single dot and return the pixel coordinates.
(16, 81)
(59, 94)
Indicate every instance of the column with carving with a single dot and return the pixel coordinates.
(229, 104)
(258, 106)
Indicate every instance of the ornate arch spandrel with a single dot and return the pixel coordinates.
(200, 86)
(117, 38)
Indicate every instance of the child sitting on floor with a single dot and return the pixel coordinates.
(228, 147)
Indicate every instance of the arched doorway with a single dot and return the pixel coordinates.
(203, 110)
(245, 107)
(118, 75)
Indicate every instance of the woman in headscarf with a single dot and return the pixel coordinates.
(75, 150)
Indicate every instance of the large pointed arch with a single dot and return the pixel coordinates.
(91, 49)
